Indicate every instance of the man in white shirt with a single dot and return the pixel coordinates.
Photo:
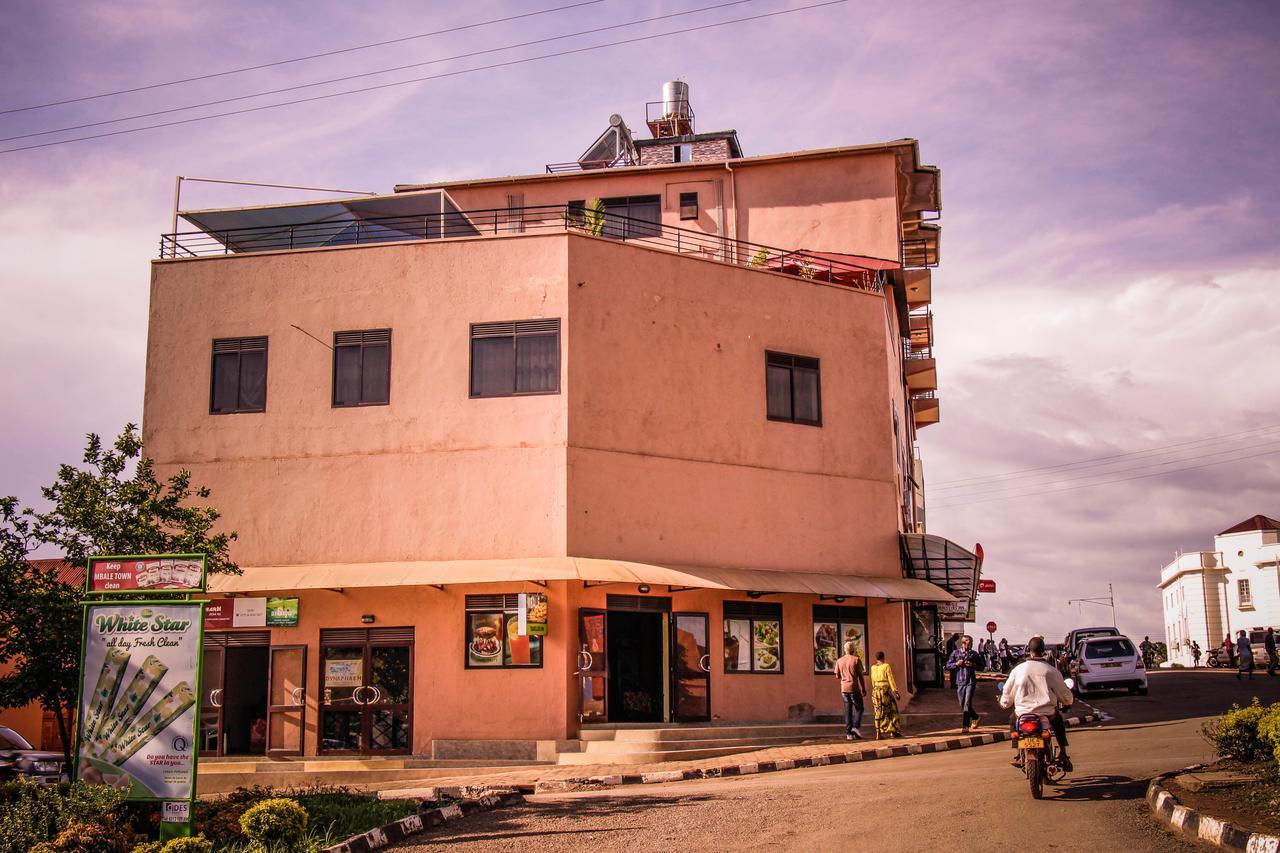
(1036, 687)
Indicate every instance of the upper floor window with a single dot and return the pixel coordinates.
(1246, 596)
(362, 368)
(689, 205)
(791, 385)
(239, 377)
(522, 357)
(683, 152)
(632, 216)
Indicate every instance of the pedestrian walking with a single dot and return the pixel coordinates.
(1229, 650)
(1006, 656)
(1147, 650)
(850, 671)
(884, 699)
(1270, 644)
(1195, 653)
(1245, 650)
(963, 664)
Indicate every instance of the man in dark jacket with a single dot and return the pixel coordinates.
(1270, 644)
(964, 662)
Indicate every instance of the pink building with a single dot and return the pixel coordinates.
(629, 441)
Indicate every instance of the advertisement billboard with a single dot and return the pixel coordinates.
(140, 687)
(137, 575)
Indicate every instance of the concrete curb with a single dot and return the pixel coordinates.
(753, 767)
(1202, 827)
(399, 830)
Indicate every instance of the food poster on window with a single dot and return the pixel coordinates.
(125, 575)
(855, 632)
(484, 639)
(593, 632)
(532, 613)
(826, 643)
(737, 644)
(521, 650)
(768, 648)
(139, 685)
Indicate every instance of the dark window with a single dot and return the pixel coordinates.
(633, 216)
(515, 358)
(493, 630)
(752, 637)
(689, 205)
(577, 212)
(1119, 647)
(362, 368)
(791, 385)
(834, 625)
(239, 380)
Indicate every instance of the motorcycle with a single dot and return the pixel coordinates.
(1033, 738)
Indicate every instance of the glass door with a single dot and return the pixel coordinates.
(690, 668)
(366, 692)
(215, 658)
(341, 710)
(385, 697)
(286, 700)
(593, 666)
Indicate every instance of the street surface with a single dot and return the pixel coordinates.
(970, 800)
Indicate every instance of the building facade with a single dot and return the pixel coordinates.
(521, 455)
(1209, 596)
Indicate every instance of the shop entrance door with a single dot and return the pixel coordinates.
(690, 668)
(287, 700)
(366, 691)
(233, 713)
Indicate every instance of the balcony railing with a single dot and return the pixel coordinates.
(514, 220)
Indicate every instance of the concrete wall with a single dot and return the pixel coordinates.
(305, 482)
(671, 455)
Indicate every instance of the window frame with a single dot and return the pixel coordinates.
(1244, 592)
(362, 344)
(689, 208)
(773, 358)
(841, 615)
(240, 349)
(753, 612)
(506, 611)
(515, 335)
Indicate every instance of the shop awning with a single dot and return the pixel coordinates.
(452, 572)
(941, 562)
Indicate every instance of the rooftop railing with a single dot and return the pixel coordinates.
(515, 220)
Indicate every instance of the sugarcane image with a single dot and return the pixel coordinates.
(155, 720)
(104, 691)
(129, 704)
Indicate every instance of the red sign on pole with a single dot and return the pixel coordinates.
(991, 627)
(132, 575)
(985, 585)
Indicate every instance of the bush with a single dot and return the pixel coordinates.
(1236, 733)
(32, 814)
(148, 847)
(275, 824)
(80, 837)
(197, 844)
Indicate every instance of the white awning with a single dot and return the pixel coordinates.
(452, 572)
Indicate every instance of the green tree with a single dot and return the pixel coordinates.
(113, 505)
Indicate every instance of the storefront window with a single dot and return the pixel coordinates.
(752, 637)
(833, 626)
(493, 631)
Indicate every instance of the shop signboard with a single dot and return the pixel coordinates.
(986, 585)
(140, 683)
(282, 612)
(237, 613)
(344, 673)
(139, 575)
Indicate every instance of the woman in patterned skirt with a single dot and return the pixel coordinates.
(884, 698)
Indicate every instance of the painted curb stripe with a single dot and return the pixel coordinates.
(1191, 823)
(381, 836)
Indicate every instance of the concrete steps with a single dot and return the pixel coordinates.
(653, 744)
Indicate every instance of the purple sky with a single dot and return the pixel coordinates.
(1110, 259)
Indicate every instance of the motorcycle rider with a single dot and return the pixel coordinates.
(1036, 687)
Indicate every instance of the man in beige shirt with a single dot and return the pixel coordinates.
(850, 671)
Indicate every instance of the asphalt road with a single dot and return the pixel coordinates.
(970, 800)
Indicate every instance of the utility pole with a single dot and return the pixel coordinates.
(1109, 601)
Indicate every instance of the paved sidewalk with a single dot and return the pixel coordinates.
(925, 729)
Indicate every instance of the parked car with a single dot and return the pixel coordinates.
(1108, 663)
(1068, 653)
(20, 759)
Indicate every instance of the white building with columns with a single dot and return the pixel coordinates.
(1210, 595)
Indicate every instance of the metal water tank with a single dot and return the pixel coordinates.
(675, 99)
